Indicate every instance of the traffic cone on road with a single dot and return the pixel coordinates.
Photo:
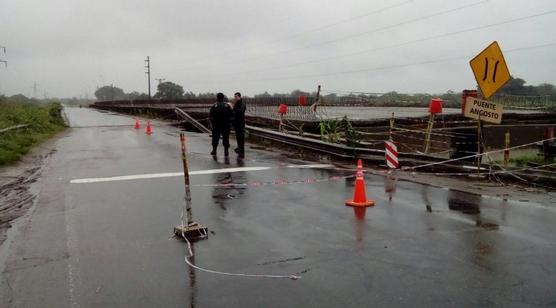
(149, 128)
(137, 123)
(359, 195)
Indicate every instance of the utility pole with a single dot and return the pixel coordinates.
(159, 80)
(148, 72)
(4, 61)
(35, 89)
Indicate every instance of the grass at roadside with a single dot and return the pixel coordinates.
(44, 120)
(522, 158)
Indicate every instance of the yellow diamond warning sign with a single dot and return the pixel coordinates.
(490, 70)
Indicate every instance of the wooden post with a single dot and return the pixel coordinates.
(317, 100)
(188, 229)
(188, 210)
(479, 144)
(428, 133)
(391, 126)
(506, 148)
(549, 134)
(479, 134)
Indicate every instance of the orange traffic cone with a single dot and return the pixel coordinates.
(137, 123)
(149, 128)
(359, 195)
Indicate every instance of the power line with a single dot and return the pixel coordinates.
(320, 28)
(362, 33)
(346, 20)
(410, 64)
(387, 67)
(399, 44)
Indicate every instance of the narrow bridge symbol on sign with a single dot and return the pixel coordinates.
(490, 69)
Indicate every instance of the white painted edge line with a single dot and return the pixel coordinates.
(315, 166)
(198, 172)
(474, 167)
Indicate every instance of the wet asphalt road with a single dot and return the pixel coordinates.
(107, 244)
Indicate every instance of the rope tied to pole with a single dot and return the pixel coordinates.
(187, 221)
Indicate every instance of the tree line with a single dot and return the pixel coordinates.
(170, 90)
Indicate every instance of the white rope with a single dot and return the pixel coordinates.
(203, 235)
(382, 172)
(481, 154)
(424, 132)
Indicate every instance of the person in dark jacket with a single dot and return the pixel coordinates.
(220, 117)
(239, 124)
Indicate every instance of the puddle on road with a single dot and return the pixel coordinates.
(464, 202)
(390, 185)
(282, 261)
(192, 279)
(222, 194)
(486, 225)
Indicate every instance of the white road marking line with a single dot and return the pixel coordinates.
(174, 174)
(315, 166)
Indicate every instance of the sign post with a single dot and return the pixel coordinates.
(491, 73)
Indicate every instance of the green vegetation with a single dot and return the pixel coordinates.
(522, 161)
(109, 93)
(169, 90)
(44, 120)
(516, 86)
(332, 130)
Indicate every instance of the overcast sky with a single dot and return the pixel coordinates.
(70, 47)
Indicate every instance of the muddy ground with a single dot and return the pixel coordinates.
(19, 185)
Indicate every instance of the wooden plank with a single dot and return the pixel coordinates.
(193, 231)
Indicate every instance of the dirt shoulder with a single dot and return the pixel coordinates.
(18, 184)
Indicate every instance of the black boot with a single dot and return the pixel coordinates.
(226, 152)
(213, 153)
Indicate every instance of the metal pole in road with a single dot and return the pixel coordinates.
(188, 211)
(189, 229)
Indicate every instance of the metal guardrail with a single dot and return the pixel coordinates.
(334, 149)
(190, 119)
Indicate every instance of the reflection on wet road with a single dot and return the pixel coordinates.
(106, 243)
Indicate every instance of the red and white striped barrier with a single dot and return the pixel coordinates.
(392, 155)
